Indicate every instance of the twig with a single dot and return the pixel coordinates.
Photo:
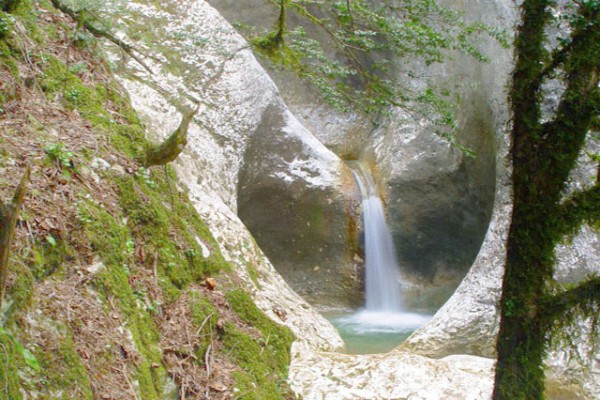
(266, 343)
(180, 353)
(204, 323)
(124, 372)
(182, 389)
(155, 268)
(207, 364)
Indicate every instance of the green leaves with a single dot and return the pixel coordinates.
(58, 153)
(50, 240)
(347, 51)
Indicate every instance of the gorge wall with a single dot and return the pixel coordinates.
(439, 200)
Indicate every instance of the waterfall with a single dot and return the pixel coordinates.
(382, 289)
(383, 323)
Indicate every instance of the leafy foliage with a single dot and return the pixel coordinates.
(353, 69)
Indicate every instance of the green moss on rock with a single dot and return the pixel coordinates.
(10, 364)
(264, 360)
(204, 316)
(63, 374)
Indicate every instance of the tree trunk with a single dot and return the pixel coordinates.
(521, 341)
(543, 155)
(170, 149)
(8, 219)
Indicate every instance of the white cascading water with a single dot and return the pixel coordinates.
(383, 318)
(382, 289)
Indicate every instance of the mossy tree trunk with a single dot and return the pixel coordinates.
(543, 156)
(170, 149)
(8, 219)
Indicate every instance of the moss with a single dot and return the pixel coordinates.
(125, 136)
(144, 200)
(205, 316)
(261, 377)
(201, 309)
(6, 25)
(264, 360)
(253, 274)
(108, 238)
(7, 60)
(63, 375)
(10, 364)
(48, 256)
(19, 293)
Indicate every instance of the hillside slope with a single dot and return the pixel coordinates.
(111, 283)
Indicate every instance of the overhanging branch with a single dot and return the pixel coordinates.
(81, 19)
(170, 149)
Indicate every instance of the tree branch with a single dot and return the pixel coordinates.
(561, 54)
(581, 207)
(8, 218)
(585, 294)
(81, 19)
(170, 149)
(564, 136)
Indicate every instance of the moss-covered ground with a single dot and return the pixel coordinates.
(106, 293)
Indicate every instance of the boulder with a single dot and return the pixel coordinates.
(301, 204)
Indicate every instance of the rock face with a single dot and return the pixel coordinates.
(291, 191)
(302, 215)
(246, 148)
(468, 322)
(395, 375)
(236, 98)
(475, 298)
(439, 201)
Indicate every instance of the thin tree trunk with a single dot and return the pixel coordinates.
(170, 149)
(8, 219)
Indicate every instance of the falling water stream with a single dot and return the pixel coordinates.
(383, 323)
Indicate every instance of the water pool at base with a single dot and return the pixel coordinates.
(370, 332)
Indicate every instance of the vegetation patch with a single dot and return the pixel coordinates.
(263, 355)
(12, 360)
(105, 280)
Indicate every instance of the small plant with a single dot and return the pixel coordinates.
(130, 246)
(59, 154)
(6, 24)
(82, 39)
(51, 240)
(144, 173)
(154, 307)
(73, 95)
(30, 360)
(83, 215)
(78, 68)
